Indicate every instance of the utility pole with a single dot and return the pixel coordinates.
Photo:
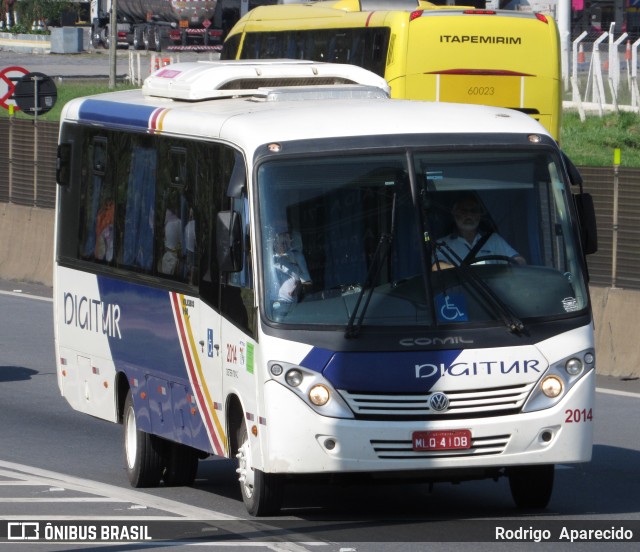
(113, 44)
(563, 17)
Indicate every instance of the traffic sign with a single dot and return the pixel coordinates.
(35, 93)
(8, 77)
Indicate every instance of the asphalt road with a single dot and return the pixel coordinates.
(56, 463)
(94, 64)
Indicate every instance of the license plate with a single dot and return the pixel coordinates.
(442, 440)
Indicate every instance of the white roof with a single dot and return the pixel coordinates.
(250, 121)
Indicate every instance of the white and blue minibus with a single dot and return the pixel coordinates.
(255, 260)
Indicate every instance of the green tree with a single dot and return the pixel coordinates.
(46, 11)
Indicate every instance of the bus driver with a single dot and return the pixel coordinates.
(467, 242)
(290, 271)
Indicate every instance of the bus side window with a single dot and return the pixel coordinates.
(230, 47)
(339, 49)
(138, 206)
(236, 289)
(97, 226)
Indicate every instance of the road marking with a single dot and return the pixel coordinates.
(26, 296)
(618, 393)
(53, 479)
(20, 474)
(65, 499)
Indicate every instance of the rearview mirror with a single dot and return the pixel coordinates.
(587, 221)
(63, 165)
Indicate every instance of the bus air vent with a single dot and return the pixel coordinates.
(305, 93)
(202, 80)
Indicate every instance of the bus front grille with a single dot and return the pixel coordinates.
(469, 403)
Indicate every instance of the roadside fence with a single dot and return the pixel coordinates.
(604, 74)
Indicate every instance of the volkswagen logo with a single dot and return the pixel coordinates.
(439, 402)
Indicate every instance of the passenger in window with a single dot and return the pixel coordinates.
(467, 244)
(104, 232)
(172, 240)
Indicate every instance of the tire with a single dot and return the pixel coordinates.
(261, 492)
(138, 42)
(147, 37)
(143, 452)
(96, 42)
(181, 465)
(531, 486)
(157, 40)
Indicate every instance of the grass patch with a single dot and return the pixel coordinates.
(592, 142)
(588, 143)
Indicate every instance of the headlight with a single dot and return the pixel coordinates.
(573, 366)
(319, 395)
(276, 369)
(294, 378)
(551, 386)
(312, 388)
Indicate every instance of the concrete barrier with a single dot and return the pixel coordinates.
(26, 254)
(26, 247)
(25, 43)
(615, 313)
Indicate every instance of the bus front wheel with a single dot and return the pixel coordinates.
(531, 486)
(143, 452)
(261, 492)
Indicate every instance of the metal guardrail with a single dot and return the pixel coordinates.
(28, 162)
(28, 172)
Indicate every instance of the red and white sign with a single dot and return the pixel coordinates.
(8, 78)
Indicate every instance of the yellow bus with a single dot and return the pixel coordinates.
(425, 52)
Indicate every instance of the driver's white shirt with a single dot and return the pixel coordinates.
(495, 245)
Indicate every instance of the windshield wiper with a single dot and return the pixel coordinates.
(508, 317)
(379, 257)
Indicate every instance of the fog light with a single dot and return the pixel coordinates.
(546, 436)
(330, 444)
(573, 366)
(551, 386)
(276, 369)
(294, 378)
(319, 395)
(589, 358)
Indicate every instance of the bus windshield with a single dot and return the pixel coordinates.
(418, 239)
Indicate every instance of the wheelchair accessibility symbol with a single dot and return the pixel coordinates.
(451, 307)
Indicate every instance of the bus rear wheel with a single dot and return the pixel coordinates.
(531, 486)
(261, 492)
(143, 452)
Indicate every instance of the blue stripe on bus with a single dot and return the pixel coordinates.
(147, 326)
(317, 359)
(393, 372)
(116, 113)
(149, 351)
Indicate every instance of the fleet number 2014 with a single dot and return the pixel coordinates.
(578, 415)
(481, 91)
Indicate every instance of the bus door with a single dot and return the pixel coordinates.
(196, 400)
(204, 365)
